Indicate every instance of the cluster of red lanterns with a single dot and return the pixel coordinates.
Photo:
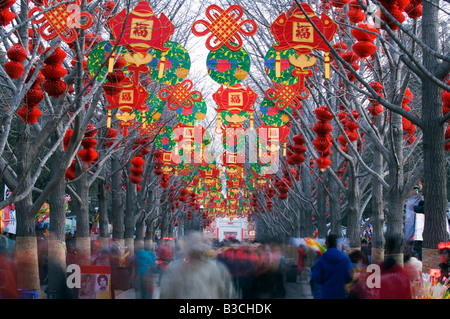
(158, 168)
(296, 150)
(355, 12)
(53, 72)
(413, 9)
(6, 16)
(29, 113)
(323, 143)
(137, 162)
(110, 137)
(365, 34)
(375, 108)
(112, 86)
(88, 154)
(408, 127)
(17, 55)
(270, 193)
(350, 128)
(396, 8)
(282, 185)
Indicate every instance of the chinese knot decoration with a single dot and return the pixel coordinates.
(59, 20)
(180, 95)
(224, 27)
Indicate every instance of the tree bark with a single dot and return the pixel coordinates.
(117, 201)
(57, 243)
(82, 236)
(435, 187)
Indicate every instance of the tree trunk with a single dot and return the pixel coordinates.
(435, 187)
(26, 244)
(129, 217)
(377, 218)
(149, 243)
(335, 201)
(354, 209)
(306, 226)
(57, 244)
(117, 202)
(320, 217)
(103, 216)
(82, 236)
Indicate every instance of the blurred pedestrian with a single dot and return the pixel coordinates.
(333, 270)
(394, 281)
(197, 276)
(144, 262)
(357, 288)
(301, 256)
(412, 266)
(8, 287)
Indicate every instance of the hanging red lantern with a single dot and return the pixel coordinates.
(6, 16)
(17, 55)
(88, 154)
(355, 13)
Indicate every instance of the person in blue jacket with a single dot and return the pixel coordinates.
(333, 270)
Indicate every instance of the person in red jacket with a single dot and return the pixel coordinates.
(394, 281)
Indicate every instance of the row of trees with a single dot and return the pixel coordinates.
(377, 170)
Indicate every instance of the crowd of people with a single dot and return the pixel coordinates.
(194, 267)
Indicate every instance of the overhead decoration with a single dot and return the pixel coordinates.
(171, 66)
(54, 72)
(408, 126)
(29, 112)
(272, 115)
(58, 19)
(235, 105)
(88, 154)
(140, 29)
(6, 16)
(225, 27)
(365, 46)
(296, 32)
(97, 56)
(180, 95)
(228, 67)
(322, 143)
(17, 55)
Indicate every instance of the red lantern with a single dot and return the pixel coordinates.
(140, 29)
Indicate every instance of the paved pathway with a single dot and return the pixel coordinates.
(293, 291)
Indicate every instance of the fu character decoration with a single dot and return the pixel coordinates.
(298, 32)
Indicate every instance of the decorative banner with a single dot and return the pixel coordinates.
(132, 96)
(153, 109)
(274, 58)
(180, 95)
(176, 63)
(192, 116)
(234, 104)
(228, 67)
(224, 27)
(273, 116)
(297, 32)
(140, 29)
(164, 139)
(97, 57)
(61, 20)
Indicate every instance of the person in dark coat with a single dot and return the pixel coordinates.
(333, 270)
